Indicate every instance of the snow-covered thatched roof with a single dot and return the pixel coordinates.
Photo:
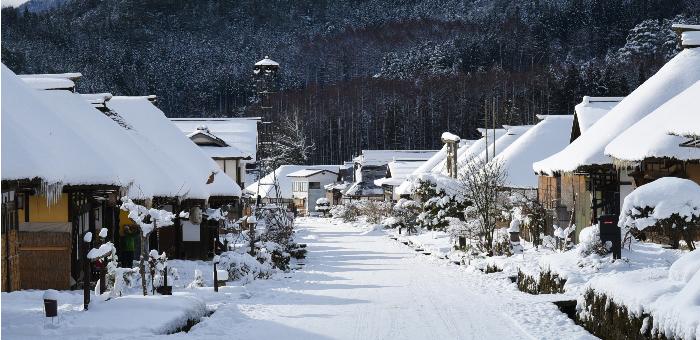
(193, 167)
(265, 186)
(674, 77)
(122, 148)
(591, 109)
(512, 134)
(650, 136)
(549, 136)
(466, 153)
(239, 133)
(39, 143)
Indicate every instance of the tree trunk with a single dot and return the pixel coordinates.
(142, 264)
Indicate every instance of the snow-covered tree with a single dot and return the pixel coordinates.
(147, 220)
(323, 206)
(290, 144)
(482, 182)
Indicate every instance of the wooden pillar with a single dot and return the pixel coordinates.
(84, 246)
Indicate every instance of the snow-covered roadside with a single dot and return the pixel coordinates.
(127, 316)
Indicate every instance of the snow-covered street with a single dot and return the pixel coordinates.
(362, 285)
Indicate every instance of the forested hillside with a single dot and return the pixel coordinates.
(359, 74)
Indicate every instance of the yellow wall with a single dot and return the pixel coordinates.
(39, 212)
(123, 221)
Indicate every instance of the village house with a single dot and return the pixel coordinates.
(371, 165)
(396, 173)
(276, 187)
(45, 215)
(51, 193)
(202, 183)
(580, 184)
(231, 142)
(308, 185)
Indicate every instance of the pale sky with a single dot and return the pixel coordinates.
(15, 3)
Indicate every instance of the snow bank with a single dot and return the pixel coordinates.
(130, 316)
(674, 305)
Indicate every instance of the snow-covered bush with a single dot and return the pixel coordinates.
(590, 243)
(403, 215)
(157, 265)
(323, 206)
(531, 215)
(244, 267)
(668, 207)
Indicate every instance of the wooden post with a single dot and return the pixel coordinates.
(86, 274)
(216, 279)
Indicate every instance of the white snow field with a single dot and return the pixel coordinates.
(355, 284)
(359, 284)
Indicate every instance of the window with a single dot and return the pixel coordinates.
(314, 185)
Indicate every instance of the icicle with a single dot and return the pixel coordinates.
(51, 191)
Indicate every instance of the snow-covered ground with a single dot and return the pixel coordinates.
(355, 284)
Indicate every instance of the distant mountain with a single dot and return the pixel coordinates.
(361, 74)
(38, 6)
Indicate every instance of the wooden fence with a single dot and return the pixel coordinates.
(45, 260)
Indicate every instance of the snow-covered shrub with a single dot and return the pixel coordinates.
(531, 215)
(590, 243)
(323, 206)
(157, 265)
(374, 211)
(244, 267)
(403, 215)
(278, 226)
(347, 212)
(668, 207)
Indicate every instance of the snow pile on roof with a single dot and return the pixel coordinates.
(546, 138)
(144, 181)
(399, 171)
(512, 134)
(591, 109)
(310, 172)
(449, 137)
(49, 83)
(383, 157)
(38, 143)
(265, 187)
(674, 77)
(690, 39)
(666, 196)
(429, 165)
(466, 153)
(267, 62)
(194, 168)
(96, 98)
(650, 136)
(673, 302)
(240, 133)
